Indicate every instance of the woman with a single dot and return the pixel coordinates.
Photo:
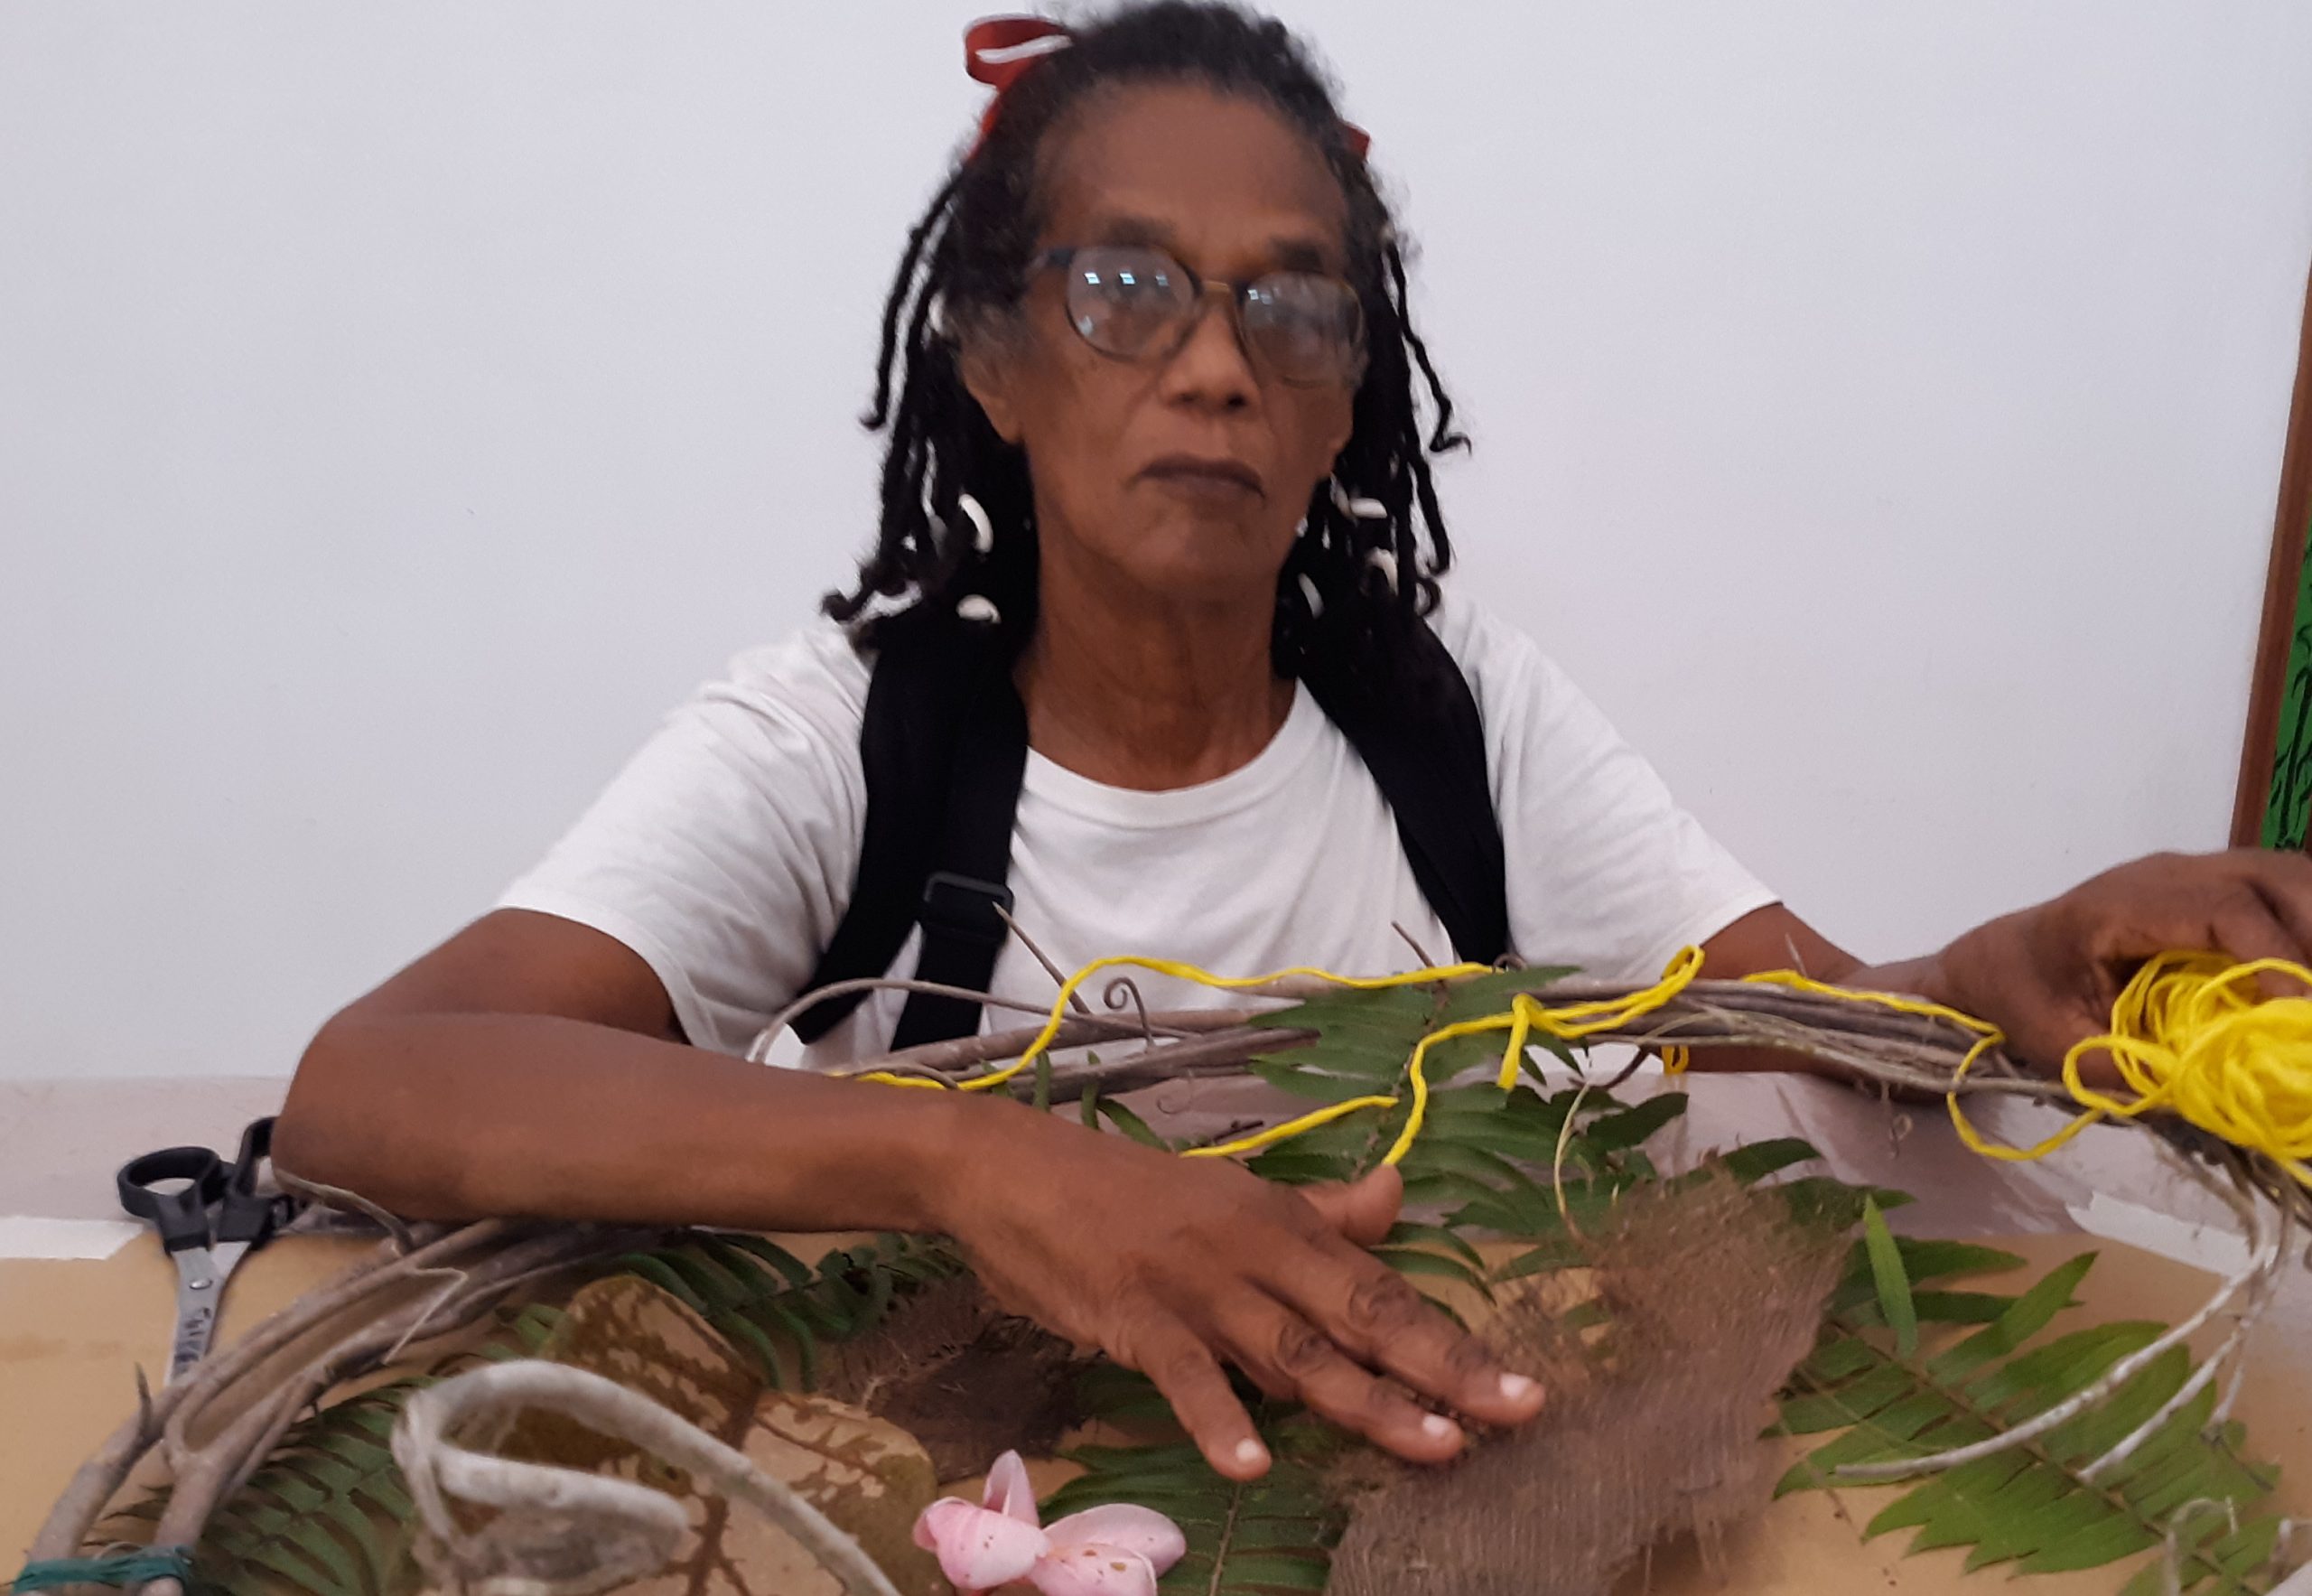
(1161, 515)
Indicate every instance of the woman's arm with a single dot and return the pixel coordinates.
(2048, 975)
(529, 1066)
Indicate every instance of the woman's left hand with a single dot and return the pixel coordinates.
(2048, 975)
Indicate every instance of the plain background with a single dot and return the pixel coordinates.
(1878, 409)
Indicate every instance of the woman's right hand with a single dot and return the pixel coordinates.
(1176, 1266)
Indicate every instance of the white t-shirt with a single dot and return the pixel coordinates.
(723, 854)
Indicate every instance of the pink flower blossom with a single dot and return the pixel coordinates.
(1113, 1551)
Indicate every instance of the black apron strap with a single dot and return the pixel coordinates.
(928, 684)
(962, 931)
(1420, 733)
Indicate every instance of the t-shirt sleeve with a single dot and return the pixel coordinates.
(723, 853)
(1605, 871)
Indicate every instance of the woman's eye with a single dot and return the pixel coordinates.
(1132, 286)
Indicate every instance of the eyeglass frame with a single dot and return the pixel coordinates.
(1202, 288)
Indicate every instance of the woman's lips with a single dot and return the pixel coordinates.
(1205, 476)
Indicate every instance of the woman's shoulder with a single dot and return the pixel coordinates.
(815, 674)
(1504, 668)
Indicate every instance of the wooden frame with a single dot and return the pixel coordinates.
(2281, 691)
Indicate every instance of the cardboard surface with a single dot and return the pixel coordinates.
(72, 1333)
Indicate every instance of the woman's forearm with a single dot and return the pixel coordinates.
(452, 1116)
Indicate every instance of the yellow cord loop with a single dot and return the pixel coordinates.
(2189, 1035)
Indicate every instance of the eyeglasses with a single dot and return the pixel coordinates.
(1137, 302)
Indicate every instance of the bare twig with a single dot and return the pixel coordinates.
(1419, 952)
(1122, 989)
(1059, 978)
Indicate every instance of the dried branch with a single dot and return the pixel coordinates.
(565, 1532)
(210, 1473)
(96, 1479)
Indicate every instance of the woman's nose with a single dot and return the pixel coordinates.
(1212, 366)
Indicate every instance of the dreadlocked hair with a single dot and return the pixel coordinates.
(1351, 583)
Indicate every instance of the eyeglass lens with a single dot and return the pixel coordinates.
(1127, 301)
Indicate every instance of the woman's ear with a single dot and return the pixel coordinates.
(987, 378)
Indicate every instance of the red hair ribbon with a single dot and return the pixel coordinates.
(998, 49)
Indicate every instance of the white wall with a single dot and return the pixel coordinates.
(1879, 408)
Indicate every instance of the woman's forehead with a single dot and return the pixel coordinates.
(1201, 172)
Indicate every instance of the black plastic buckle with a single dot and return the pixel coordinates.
(962, 906)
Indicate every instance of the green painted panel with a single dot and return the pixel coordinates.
(2288, 804)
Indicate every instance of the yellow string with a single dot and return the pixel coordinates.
(2189, 1035)
(1288, 1130)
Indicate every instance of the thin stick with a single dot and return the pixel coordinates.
(1419, 952)
(1058, 976)
(1557, 1159)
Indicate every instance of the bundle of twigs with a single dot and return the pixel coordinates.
(1883, 1046)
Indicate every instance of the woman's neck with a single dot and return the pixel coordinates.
(1148, 696)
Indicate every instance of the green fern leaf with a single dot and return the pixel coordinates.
(1630, 1126)
(1889, 1280)
(1273, 1534)
(1131, 1124)
(1434, 1236)
(2030, 1506)
(326, 1514)
(1413, 1261)
(1755, 1161)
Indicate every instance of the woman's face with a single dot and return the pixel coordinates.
(1182, 476)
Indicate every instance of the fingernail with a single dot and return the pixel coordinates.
(1516, 1387)
(1251, 1453)
(1438, 1427)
